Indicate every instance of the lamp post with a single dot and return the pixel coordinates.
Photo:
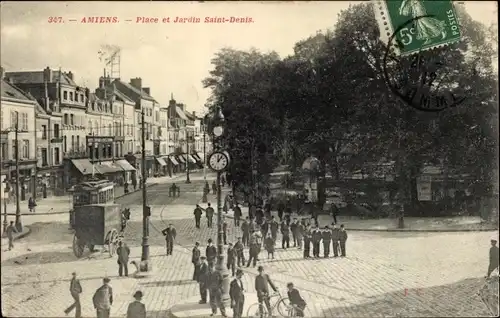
(206, 186)
(5, 196)
(217, 131)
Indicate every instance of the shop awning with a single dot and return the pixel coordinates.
(108, 167)
(84, 166)
(125, 165)
(161, 161)
(196, 157)
(201, 156)
(191, 158)
(181, 159)
(172, 159)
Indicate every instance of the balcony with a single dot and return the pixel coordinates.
(76, 154)
(56, 140)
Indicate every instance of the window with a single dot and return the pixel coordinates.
(44, 132)
(72, 142)
(157, 115)
(65, 145)
(110, 151)
(26, 149)
(81, 98)
(72, 119)
(56, 156)
(71, 96)
(44, 157)
(66, 119)
(110, 130)
(56, 131)
(90, 127)
(78, 143)
(24, 125)
(65, 95)
(4, 151)
(13, 119)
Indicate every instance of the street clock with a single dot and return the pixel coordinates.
(218, 161)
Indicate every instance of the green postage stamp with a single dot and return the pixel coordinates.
(415, 25)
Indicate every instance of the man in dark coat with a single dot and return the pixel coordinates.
(209, 211)
(264, 228)
(334, 210)
(170, 233)
(214, 188)
(342, 240)
(307, 243)
(211, 252)
(237, 294)
(103, 299)
(197, 216)
(300, 233)
(239, 250)
(231, 259)
(253, 251)
(75, 290)
(259, 215)
(335, 240)
(245, 228)
(262, 283)
(326, 236)
(123, 252)
(195, 259)
(203, 279)
(252, 211)
(274, 226)
(493, 257)
(237, 214)
(296, 300)
(215, 290)
(316, 240)
(285, 232)
(281, 209)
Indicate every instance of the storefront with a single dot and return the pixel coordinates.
(160, 166)
(129, 171)
(78, 170)
(173, 165)
(111, 171)
(27, 178)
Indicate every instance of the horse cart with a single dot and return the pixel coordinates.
(95, 219)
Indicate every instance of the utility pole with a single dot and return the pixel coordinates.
(146, 211)
(204, 154)
(187, 158)
(19, 224)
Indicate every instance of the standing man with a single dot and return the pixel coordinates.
(285, 232)
(231, 259)
(335, 240)
(209, 211)
(493, 257)
(334, 210)
(136, 309)
(210, 252)
(237, 294)
(197, 216)
(123, 252)
(252, 210)
(245, 228)
(293, 229)
(103, 299)
(307, 243)
(203, 275)
(253, 226)
(75, 290)
(237, 214)
(170, 233)
(10, 230)
(262, 282)
(240, 255)
(281, 209)
(215, 290)
(326, 235)
(316, 240)
(195, 259)
(343, 240)
(273, 225)
(224, 231)
(254, 251)
(214, 187)
(300, 233)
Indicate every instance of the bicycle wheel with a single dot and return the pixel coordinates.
(253, 311)
(284, 309)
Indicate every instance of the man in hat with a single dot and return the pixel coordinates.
(209, 212)
(103, 299)
(123, 252)
(274, 226)
(296, 301)
(203, 279)
(245, 228)
(215, 291)
(75, 290)
(326, 235)
(170, 234)
(231, 259)
(197, 216)
(493, 257)
(10, 230)
(237, 294)
(195, 259)
(237, 214)
(136, 309)
(316, 240)
(262, 283)
(335, 239)
(210, 252)
(239, 250)
(343, 240)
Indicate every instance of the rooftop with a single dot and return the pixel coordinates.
(10, 91)
(137, 91)
(36, 77)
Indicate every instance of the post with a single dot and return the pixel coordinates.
(19, 224)
(204, 155)
(187, 158)
(4, 213)
(145, 209)
(220, 267)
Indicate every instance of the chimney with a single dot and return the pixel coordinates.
(70, 75)
(136, 82)
(47, 75)
(194, 114)
(146, 90)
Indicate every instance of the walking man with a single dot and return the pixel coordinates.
(237, 294)
(197, 216)
(195, 259)
(10, 230)
(285, 232)
(326, 235)
(170, 234)
(75, 290)
(103, 299)
(215, 290)
(245, 228)
(210, 252)
(203, 279)
(239, 250)
(237, 214)
(335, 240)
(231, 259)
(136, 309)
(123, 252)
(209, 211)
(262, 282)
(343, 240)
(493, 257)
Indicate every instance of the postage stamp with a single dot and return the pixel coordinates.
(433, 24)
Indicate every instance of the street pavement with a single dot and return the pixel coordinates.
(439, 271)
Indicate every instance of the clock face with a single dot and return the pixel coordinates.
(218, 161)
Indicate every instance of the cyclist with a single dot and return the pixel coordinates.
(262, 282)
(296, 301)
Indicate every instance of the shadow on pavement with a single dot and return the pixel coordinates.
(455, 300)
(168, 283)
(159, 314)
(40, 258)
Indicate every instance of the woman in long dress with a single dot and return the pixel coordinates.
(427, 28)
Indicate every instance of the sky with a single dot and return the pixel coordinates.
(171, 58)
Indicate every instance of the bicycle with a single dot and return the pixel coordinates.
(281, 305)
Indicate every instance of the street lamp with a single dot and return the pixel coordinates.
(219, 161)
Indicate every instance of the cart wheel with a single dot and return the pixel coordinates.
(78, 246)
(113, 242)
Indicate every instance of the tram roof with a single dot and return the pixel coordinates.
(93, 185)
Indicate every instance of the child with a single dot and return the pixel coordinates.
(296, 300)
(269, 243)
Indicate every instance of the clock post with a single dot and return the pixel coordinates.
(219, 161)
